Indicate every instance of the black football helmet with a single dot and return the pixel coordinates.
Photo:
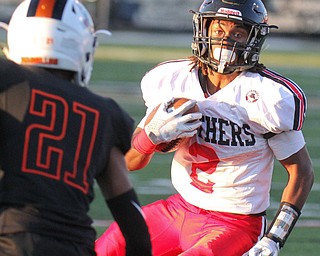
(251, 14)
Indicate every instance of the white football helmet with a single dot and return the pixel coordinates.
(58, 34)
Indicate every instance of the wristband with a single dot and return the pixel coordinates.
(283, 223)
(143, 144)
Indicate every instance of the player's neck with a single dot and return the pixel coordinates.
(216, 81)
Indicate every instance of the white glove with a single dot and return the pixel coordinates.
(167, 126)
(265, 247)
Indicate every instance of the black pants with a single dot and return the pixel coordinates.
(31, 244)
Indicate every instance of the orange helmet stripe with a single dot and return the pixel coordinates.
(45, 8)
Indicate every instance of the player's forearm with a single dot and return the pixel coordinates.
(298, 189)
(300, 172)
(136, 160)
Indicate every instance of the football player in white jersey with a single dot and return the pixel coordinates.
(223, 172)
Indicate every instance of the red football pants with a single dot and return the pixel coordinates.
(179, 228)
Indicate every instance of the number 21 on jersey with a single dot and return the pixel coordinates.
(57, 123)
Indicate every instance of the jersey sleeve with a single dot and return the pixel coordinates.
(123, 125)
(285, 105)
(174, 78)
(286, 144)
(153, 92)
(281, 115)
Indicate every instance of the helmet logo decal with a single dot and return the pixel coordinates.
(225, 12)
(39, 60)
(252, 96)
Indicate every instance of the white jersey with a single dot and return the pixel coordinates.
(228, 165)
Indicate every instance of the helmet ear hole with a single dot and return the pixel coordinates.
(87, 56)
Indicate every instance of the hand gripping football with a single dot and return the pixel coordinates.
(167, 147)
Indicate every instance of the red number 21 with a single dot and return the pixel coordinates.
(47, 158)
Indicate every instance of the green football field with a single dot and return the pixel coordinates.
(117, 72)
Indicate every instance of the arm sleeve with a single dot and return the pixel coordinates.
(126, 211)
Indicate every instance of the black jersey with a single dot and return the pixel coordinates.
(55, 138)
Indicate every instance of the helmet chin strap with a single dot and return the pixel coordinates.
(224, 56)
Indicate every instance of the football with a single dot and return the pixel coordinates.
(171, 146)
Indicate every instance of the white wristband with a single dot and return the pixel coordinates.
(283, 223)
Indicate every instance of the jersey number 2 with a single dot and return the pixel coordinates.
(208, 167)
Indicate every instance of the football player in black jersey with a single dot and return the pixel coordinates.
(56, 137)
